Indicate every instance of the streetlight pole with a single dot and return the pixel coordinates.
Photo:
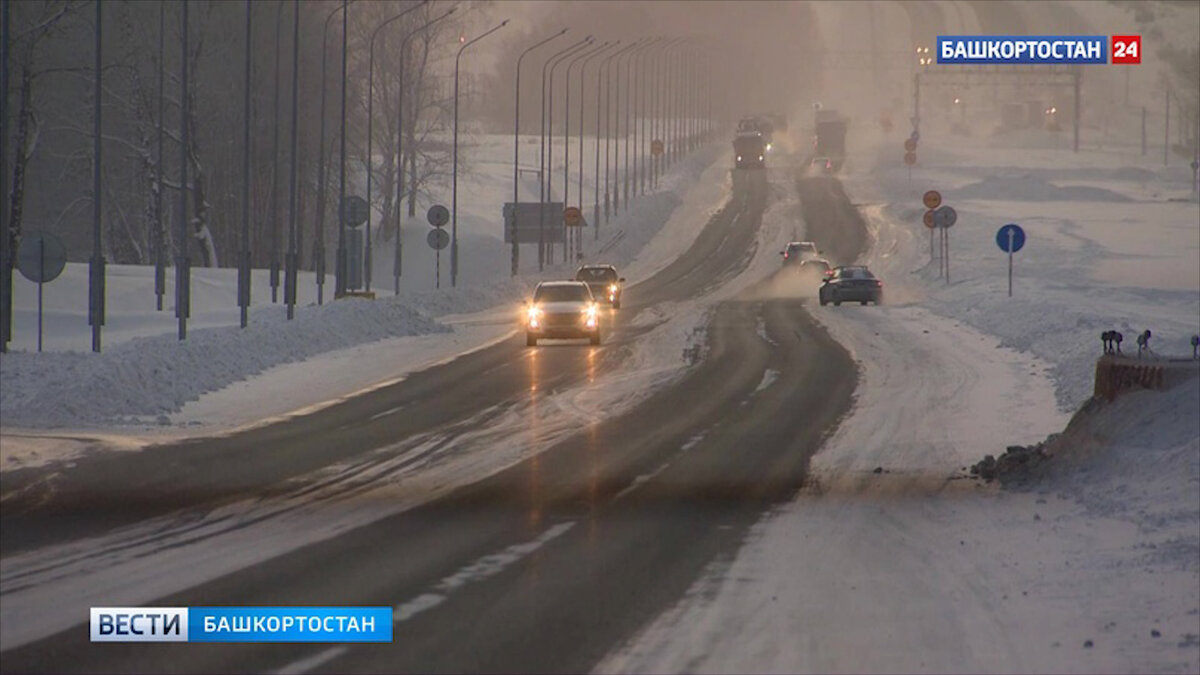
(605, 72)
(371, 127)
(516, 256)
(454, 173)
(244, 262)
(579, 57)
(582, 82)
(616, 145)
(183, 263)
(397, 266)
(340, 269)
(543, 183)
(274, 207)
(628, 89)
(292, 260)
(639, 124)
(319, 243)
(660, 106)
(96, 287)
(160, 238)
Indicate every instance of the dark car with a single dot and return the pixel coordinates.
(603, 281)
(561, 309)
(851, 283)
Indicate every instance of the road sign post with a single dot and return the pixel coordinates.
(41, 258)
(1010, 238)
(944, 218)
(437, 239)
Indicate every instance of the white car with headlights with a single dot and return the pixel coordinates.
(564, 310)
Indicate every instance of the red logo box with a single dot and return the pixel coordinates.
(1127, 49)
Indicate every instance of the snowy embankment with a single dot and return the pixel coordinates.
(146, 376)
(894, 559)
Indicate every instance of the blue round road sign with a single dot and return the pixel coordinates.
(1010, 238)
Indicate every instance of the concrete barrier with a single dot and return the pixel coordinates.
(1116, 375)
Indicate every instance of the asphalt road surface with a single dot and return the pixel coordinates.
(545, 566)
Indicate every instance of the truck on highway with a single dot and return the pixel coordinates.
(829, 137)
(749, 151)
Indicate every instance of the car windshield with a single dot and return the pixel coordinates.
(856, 273)
(562, 293)
(596, 274)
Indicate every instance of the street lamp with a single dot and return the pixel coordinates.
(628, 97)
(576, 58)
(517, 147)
(319, 244)
(371, 126)
(606, 72)
(582, 82)
(454, 173)
(544, 184)
(398, 259)
(657, 105)
(616, 146)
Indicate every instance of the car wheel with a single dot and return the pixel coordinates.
(823, 301)
(595, 338)
(530, 340)
(837, 303)
(864, 303)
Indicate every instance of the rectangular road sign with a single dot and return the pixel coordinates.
(529, 222)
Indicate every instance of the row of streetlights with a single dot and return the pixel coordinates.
(672, 97)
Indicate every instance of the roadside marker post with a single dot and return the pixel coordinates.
(1010, 239)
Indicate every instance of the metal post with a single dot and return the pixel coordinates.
(183, 263)
(576, 58)
(293, 255)
(1143, 130)
(517, 148)
(96, 285)
(274, 206)
(603, 72)
(41, 280)
(371, 128)
(397, 262)
(454, 174)
(340, 269)
(543, 174)
(160, 238)
(7, 254)
(1078, 76)
(244, 261)
(1167, 128)
(582, 82)
(319, 243)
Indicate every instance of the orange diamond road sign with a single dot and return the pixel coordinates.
(572, 216)
(910, 158)
(932, 199)
(656, 147)
(910, 145)
(928, 219)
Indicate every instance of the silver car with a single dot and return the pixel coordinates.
(562, 309)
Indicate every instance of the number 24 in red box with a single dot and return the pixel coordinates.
(1127, 49)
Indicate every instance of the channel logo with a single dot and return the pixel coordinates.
(1022, 49)
(241, 624)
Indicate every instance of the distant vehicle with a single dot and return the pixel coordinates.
(603, 281)
(817, 266)
(829, 138)
(756, 124)
(797, 252)
(562, 309)
(749, 151)
(851, 283)
(821, 165)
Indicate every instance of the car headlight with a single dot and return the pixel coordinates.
(760, 158)
(589, 314)
(739, 158)
(534, 316)
(612, 288)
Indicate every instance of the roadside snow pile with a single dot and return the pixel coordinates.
(1015, 462)
(1138, 459)
(1028, 187)
(157, 375)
